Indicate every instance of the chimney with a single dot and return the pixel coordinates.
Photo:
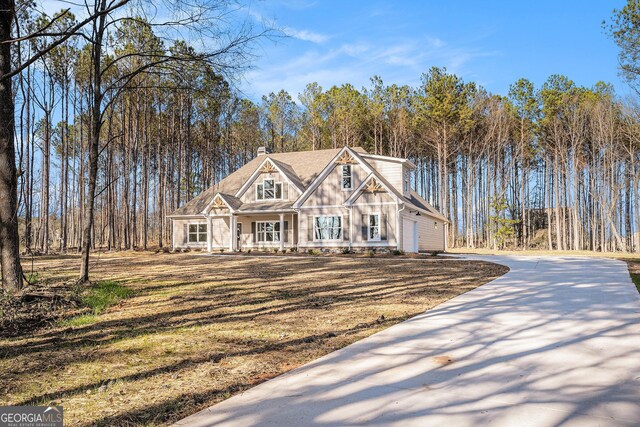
(263, 150)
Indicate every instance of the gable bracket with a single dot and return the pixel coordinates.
(268, 167)
(346, 159)
(373, 186)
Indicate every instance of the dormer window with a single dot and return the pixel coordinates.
(269, 190)
(346, 177)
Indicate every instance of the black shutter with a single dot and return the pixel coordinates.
(310, 229)
(345, 227)
(253, 232)
(365, 227)
(185, 238)
(286, 231)
(383, 227)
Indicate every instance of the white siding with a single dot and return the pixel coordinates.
(430, 232)
(289, 192)
(391, 171)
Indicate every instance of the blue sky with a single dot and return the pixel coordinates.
(490, 42)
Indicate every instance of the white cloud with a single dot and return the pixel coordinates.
(306, 35)
(398, 60)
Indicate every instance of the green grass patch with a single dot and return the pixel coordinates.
(82, 320)
(104, 294)
(636, 280)
(98, 298)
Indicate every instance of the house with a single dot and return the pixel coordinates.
(323, 199)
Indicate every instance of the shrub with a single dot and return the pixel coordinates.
(397, 252)
(371, 253)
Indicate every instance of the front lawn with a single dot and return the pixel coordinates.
(171, 334)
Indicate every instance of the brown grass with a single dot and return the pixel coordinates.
(199, 329)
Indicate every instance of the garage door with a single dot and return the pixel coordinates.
(409, 235)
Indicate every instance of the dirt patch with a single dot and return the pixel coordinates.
(198, 329)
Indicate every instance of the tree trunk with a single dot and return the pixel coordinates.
(9, 239)
(94, 148)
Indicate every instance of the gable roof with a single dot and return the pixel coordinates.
(303, 166)
(282, 168)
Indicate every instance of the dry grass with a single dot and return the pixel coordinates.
(199, 329)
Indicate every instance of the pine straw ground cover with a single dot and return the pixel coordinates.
(197, 329)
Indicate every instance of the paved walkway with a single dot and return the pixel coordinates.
(556, 341)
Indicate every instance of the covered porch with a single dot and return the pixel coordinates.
(242, 231)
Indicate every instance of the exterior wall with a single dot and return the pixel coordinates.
(367, 203)
(330, 192)
(220, 232)
(289, 192)
(246, 237)
(303, 226)
(180, 238)
(391, 171)
(430, 235)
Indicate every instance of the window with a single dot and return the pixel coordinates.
(197, 233)
(374, 227)
(407, 180)
(268, 232)
(346, 177)
(269, 190)
(327, 228)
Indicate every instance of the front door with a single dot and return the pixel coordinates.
(239, 236)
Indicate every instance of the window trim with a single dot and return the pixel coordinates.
(369, 227)
(407, 182)
(275, 191)
(198, 233)
(342, 176)
(274, 222)
(339, 239)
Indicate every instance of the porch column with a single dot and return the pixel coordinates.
(281, 231)
(209, 232)
(293, 241)
(350, 227)
(232, 232)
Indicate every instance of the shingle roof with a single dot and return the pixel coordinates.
(421, 203)
(302, 167)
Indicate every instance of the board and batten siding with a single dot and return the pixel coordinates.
(330, 193)
(289, 192)
(305, 230)
(220, 232)
(246, 237)
(367, 203)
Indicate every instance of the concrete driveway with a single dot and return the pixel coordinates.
(556, 341)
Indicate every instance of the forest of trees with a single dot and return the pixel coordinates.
(554, 167)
